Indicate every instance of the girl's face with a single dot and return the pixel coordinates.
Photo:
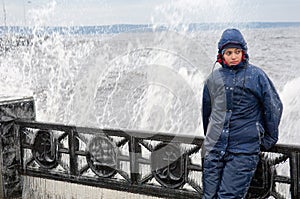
(233, 56)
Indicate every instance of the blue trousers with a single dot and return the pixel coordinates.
(228, 175)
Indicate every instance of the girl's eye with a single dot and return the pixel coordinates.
(238, 52)
(228, 53)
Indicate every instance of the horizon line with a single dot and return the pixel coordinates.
(162, 24)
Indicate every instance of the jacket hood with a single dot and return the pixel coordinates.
(232, 36)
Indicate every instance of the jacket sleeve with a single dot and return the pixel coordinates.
(272, 111)
(206, 108)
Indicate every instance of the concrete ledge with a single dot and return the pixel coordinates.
(12, 108)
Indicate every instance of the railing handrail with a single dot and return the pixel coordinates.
(184, 138)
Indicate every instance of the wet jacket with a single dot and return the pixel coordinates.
(241, 109)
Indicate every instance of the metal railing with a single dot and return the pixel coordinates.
(156, 164)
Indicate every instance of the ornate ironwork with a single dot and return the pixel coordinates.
(44, 149)
(168, 165)
(161, 165)
(262, 181)
(102, 156)
(172, 168)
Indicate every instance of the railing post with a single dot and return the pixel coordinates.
(295, 175)
(134, 154)
(12, 108)
(73, 147)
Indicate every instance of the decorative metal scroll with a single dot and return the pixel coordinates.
(262, 181)
(102, 156)
(265, 178)
(45, 149)
(168, 165)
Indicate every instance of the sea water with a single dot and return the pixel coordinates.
(142, 80)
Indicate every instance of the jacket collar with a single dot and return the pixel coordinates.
(241, 65)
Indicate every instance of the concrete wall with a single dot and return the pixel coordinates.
(50, 189)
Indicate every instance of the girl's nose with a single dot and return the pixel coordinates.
(233, 56)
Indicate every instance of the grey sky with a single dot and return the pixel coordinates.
(102, 12)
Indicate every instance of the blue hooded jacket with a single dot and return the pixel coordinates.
(241, 109)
